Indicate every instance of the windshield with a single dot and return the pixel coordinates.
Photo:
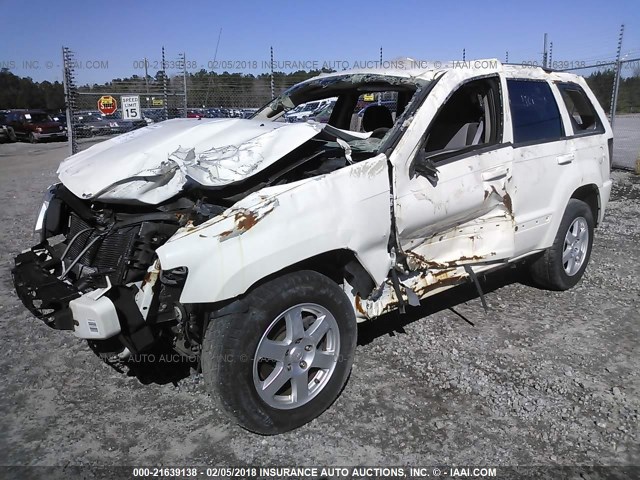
(37, 117)
(393, 96)
(308, 95)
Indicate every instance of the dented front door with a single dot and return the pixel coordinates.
(464, 217)
(453, 203)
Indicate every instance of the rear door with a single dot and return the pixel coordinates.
(589, 137)
(544, 158)
(453, 203)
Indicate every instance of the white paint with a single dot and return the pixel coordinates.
(347, 209)
(152, 164)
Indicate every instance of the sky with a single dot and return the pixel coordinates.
(111, 38)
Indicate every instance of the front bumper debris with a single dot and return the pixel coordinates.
(100, 314)
(41, 291)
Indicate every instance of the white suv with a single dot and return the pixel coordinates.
(303, 111)
(256, 245)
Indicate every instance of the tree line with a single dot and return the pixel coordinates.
(23, 92)
(211, 89)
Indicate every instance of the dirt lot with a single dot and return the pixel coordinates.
(545, 378)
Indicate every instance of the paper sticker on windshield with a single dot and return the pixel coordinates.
(27, 116)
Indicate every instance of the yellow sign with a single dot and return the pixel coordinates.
(369, 97)
(156, 102)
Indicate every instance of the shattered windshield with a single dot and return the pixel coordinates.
(366, 107)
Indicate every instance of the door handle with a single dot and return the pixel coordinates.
(495, 174)
(565, 159)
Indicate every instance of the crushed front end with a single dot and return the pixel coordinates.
(95, 272)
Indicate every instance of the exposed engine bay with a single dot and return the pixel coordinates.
(89, 246)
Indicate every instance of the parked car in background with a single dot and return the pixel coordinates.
(153, 114)
(248, 112)
(35, 126)
(196, 113)
(302, 112)
(61, 118)
(92, 125)
(90, 113)
(322, 114)
(119, 125)
(6, 131)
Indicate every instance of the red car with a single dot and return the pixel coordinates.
(35, 125)
(196, 113)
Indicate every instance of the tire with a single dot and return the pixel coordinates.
(239, 379)
(563, 264)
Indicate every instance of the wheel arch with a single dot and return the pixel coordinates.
(590, 195)
(338, 265)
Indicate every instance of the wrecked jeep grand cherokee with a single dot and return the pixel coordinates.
(258, 245)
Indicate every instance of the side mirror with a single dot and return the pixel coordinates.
(423, 165)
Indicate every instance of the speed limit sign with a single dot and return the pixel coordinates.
(130, 106)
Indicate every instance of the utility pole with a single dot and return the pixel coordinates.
(506, 57)
(165, 100)
(550, 55)
(68, 82)
(212, 72)
(616, 81)
(380, 93)
(183, 59)
(273, 89)
(146, 80)
(544, 52)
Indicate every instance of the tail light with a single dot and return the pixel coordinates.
(610, 142)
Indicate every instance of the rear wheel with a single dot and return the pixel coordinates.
(284, 361)
(563, 264)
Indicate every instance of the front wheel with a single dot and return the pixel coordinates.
(563, 264)
(284, 361)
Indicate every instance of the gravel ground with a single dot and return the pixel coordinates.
(545, 378)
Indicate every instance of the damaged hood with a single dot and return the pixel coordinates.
(153, 164)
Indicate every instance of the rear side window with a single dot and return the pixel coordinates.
(583, 116)
(534, 111)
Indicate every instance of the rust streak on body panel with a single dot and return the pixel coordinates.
(245, 220)
(507, 203)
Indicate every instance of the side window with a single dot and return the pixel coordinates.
(584, 118)
(471, 117)
(534, 112)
